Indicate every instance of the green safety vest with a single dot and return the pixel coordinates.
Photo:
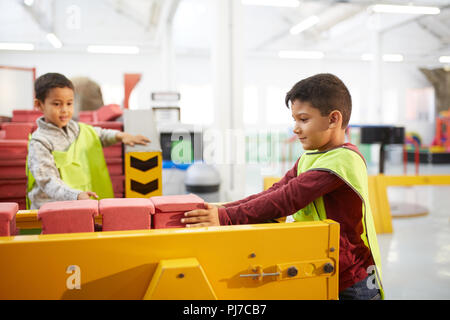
(351, 168)
(83, 166)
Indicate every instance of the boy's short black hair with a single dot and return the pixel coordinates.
(48, 81)
(325, 92)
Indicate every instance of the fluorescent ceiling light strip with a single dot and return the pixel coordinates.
(113, 49)
(390, 57)
(16, 46)
(387, 8)
(272, 3)
(444, 59)
(286, 54)
(53, 39)
(306, 24)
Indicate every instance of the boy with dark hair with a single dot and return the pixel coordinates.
(329, 181)
(65, 158)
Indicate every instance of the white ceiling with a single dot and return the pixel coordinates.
(345, 28)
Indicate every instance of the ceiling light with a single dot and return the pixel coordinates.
(444, 59)
(367, 57)
(113, 49)
(386, 57)
(387, 8)
(53, 39)
(16, 46)
(392, 57)
(272, 3)
(28, 2)
(301, 54)
(305, 24)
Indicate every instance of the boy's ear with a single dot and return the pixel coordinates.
(335, 119)
(38, 104)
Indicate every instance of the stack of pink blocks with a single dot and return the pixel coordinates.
(117, 214)
(13, 154)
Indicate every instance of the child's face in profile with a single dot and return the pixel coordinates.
(311, 127)
(58, 106)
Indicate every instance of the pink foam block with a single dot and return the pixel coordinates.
(109, 112)
(8, 212)
(12, 169)
(68, 216)
(26, 115)
(162, 220)
(17, 130)
(87, 116)
(126, 214)
(116, 125)
(13, 149)
(22, 202)
(115, 166)
(178, 203)
(114, 151)
(13, 188)
(2, 134)
(118, 183)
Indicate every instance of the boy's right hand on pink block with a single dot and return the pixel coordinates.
(202, 217)
(87, 195)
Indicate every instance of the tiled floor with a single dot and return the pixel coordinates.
(416, 256)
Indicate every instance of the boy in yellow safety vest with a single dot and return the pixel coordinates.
(65, 158)
(328, 181)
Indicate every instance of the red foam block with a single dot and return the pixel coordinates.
(109, 112)
(162, 220)
(22, 202)
(87, 116)
(68, 216)
(13, 188)
(17, 130)
(126, 214)
(114, 151)
(26, 115)
(116, 125)
(177, 203)
(8, 212)
(118, 183)
(13, 149)
(115, 166)
(13, 169)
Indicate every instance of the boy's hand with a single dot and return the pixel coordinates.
(202, 217)
(131, 140)
(87, 195)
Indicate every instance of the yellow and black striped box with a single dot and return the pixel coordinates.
(143, 174)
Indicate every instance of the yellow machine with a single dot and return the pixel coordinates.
(265, 261)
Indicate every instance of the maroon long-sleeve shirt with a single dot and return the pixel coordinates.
(294, 192)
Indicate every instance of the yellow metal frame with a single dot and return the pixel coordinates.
(379, 198)
(226, 262)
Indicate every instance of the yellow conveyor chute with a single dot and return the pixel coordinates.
(264, 261)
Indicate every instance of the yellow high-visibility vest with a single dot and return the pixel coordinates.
(348, 165)
(82, 166)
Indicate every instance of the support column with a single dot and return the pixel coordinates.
(227, 62)
(375, 114)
